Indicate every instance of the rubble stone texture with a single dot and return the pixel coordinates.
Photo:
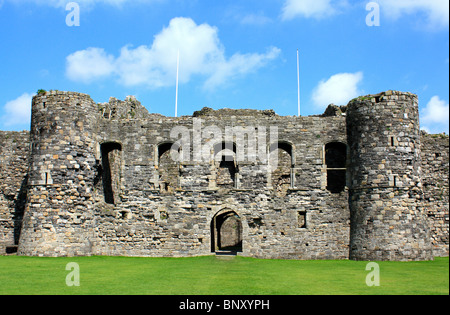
(358, 182)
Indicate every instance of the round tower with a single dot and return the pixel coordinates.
(58, 218)
(387, 220)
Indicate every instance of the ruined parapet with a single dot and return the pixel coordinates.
(58, 218)
(387, 217)
(227, 112)
(116, 109)
(334, 110)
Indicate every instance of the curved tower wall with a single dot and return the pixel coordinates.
(387, 220)
(59, 215)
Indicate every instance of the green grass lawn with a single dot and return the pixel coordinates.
(214, 276)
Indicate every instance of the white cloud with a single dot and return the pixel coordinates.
(435, 116)
(89, 65)
(17, 113)
(201, 53)
(240, 65)
(339, 89)
(436, 11)
(310, 8)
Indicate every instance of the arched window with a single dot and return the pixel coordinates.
(281, 164)
(225, 165)
(111, 165)
(168, 168)
(336, 166)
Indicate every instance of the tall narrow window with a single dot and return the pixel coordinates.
(335, 162)
(281, 165)
(111, 161)
(225, 165)
(392, 141)
(168, 166)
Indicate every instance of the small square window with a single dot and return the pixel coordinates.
(302, 219)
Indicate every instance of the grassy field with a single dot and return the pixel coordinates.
(214, 276)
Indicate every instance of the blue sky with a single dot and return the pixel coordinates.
(235, 54)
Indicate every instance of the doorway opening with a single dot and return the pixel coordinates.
(226, 232)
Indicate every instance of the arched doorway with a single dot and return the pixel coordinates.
(226, 232)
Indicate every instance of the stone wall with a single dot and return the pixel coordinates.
(435, 164)
(14, 161)
(303, 221)
(112, 179)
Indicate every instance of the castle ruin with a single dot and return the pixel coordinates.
(359, 182)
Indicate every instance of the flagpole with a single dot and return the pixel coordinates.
(298, 82)
(176, 93)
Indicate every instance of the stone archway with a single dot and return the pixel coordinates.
(226, 232)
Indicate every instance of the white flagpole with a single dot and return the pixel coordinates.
(298, 82)
(176, 94)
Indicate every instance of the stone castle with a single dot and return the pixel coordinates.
(359, 182)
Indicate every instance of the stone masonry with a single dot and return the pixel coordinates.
(358, 182)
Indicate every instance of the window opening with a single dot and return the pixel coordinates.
(168, 167)
(110, 170)
(335, 162)
(302, 219)
(225, 164)
(281, 165)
